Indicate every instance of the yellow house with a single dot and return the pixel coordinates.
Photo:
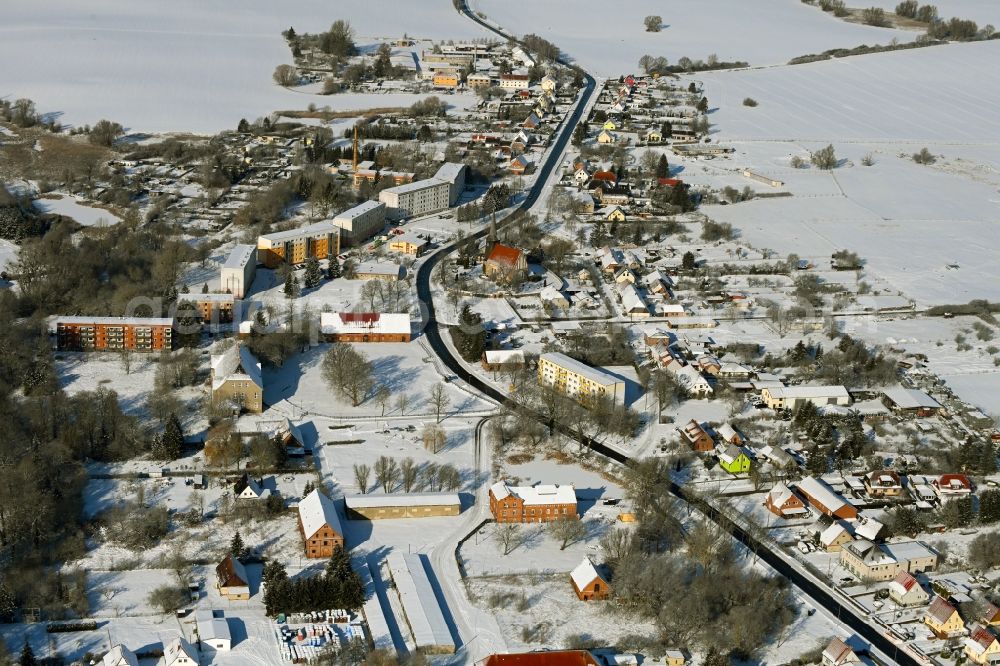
(605, 137)
(610, 125)
(982, 647)
(943, 619)
(408, 244)
(616, 214)
(654, 136)
(674, 658)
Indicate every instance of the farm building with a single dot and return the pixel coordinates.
(320, 525)
(408, 505)
(531, 504)
(588, 583)
(822, 498)
(421, 611)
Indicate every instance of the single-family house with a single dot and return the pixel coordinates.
(654, 136)
(237, 380)
(519, 165)
(943, 619)
(231, 579)
(883, 483)
(913, 402)
(120, 655)
(952, 485)
(588, 583)
(728, 434)
(614, 214)
(179, 652)
(697, 437)
(990, 614)
(784, 503)
(605, 137)
(691, 381)
(982, 647)
(213, 632)
(834, 537)
(553, 297)
(906, 590)
(674, 658)
(839, 653)
(248, 487)
(734, 460)
(502, 359)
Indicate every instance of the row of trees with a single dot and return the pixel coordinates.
(407, 475)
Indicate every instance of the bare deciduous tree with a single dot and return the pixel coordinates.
(567, 530)
(439, 398)
(361, 475)
(386, 473)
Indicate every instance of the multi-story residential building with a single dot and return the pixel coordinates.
(361, 222)
(236, 274)
(320, 240)
(319, 525)
(365, 326)
(532, 504)
(426, 196)
(237, 380)
(578, 380)
(515, 81)
(214, 308)
(882, 562)
(446, 78)
(112, 333)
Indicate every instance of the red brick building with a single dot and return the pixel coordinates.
(588, 583)
(319, 524)
(365, 327)
(112, 333)
(532, 504)
(546, 658)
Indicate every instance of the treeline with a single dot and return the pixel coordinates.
(862, 50)
(542, 48)
(19, 219)
(337, 587)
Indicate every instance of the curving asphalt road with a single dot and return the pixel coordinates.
(818, 592)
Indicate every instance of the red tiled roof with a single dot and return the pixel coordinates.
(504, 254)
(605, 175)
(946, 480)
(548, 658)
(905, 580)
(940, 610)
(672, 182)
(983, 636)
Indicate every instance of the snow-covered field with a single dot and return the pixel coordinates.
(764, 32)
(187, 65)
(944, 93)
(70, 206)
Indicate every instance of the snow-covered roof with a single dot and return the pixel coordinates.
(631, 300)
(236, 362)
(501, 356)
(870, 529)
(582, 369)
(240, 256)
(416, 186)
(907, 398)
(358, 211)
(211, 628)
(308, 231)
(178, 648)
(584, 574)
(808, 392)
(831, 534)
(120, 655)
(114, 321)
(727, 432)
(541, 494)
(552, 294)
(822, 493)
(317, 510)
(379, 268)
(365, 322)
(903, 583)
(372, 500)
(423, 613)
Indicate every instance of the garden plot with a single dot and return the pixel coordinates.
(176, 66)
(780, 30)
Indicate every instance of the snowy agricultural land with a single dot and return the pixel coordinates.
(158, 66)
(610, 44)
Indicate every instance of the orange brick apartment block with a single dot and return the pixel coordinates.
(112, 333)
(532, 504)
(320, 240)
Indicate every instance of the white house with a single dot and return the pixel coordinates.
(179, 652)
(213, 632)
(120, 655)
(693, 382)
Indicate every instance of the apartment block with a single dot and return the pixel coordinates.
(320, 240)
(360, 223)
(236, 274)
(112, 333)
(578, 380)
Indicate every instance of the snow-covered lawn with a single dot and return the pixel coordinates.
(764, 32)
(160, 66)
